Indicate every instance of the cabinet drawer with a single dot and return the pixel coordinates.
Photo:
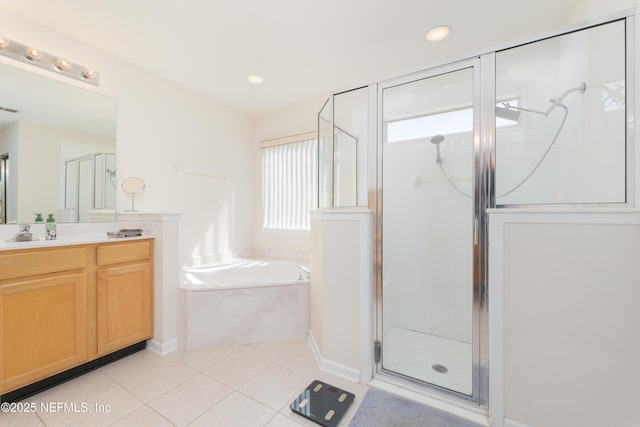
(124, 252)
(31, 263)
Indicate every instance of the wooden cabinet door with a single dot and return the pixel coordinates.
(125, 308)
(43, 327)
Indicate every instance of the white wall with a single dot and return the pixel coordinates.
(291, 121)
(589, 9)
(161, 124)
(342, 292)
(563, 310)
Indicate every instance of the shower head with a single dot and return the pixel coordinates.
(558, 99)
(437, 139)
(507, 112)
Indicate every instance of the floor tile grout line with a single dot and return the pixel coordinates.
(210, 366)
(294, 353)
(241, 384)
(162, 416)
(204, 411)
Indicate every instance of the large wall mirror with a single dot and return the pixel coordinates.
(57, 150)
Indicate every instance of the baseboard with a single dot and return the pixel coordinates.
(514, 423)
(330, 366)
(162, 348)
(314, 348)
(46, 383)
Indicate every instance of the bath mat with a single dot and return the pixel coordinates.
(322, 403)
(382, 409)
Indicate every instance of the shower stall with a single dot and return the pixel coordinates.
(543, 124)
(90, 184)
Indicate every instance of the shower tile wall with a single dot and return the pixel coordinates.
(417, 304)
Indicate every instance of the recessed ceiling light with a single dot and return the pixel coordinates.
(438, 33)
(255, 79)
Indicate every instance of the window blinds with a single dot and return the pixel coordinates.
(289, 185)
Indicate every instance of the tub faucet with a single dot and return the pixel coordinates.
(304, 273)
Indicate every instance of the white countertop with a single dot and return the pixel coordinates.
(68, 240)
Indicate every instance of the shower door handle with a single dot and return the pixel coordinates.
(476, 231)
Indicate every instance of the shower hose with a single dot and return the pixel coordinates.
(535, 168)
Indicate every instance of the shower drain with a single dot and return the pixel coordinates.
(440, 368)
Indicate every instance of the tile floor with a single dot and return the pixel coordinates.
(247, 385)
(413, 354)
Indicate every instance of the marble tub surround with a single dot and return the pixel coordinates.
(242, 301)
(243, 316)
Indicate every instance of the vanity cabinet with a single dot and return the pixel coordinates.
(124, 289)
(61, 307)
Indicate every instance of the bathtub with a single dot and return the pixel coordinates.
(243, 301)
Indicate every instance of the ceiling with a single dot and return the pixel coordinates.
(304, 49)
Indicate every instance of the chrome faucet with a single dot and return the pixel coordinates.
(23, 234)
(304, 273)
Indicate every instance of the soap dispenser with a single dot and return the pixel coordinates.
(51, 228)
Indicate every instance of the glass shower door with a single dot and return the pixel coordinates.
(429, 131)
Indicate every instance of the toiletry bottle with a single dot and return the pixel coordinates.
(51, 228)
(39, 217)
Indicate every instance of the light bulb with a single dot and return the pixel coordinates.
(87, 74)
(32, 54)
(62, 65)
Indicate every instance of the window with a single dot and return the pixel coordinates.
(289, 185)
(447, 122)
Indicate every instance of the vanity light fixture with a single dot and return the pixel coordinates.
(255, 79)
(30, 55)
(438, 33)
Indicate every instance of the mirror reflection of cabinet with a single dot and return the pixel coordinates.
(89, 185)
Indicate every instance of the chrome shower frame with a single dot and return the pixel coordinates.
(484, 199)
(478, 398)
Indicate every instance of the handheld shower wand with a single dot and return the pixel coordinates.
(511, 112)
(437, 140)
(555, 101)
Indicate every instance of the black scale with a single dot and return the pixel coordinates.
(322, 403)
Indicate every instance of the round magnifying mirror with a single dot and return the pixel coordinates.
(133, 186)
